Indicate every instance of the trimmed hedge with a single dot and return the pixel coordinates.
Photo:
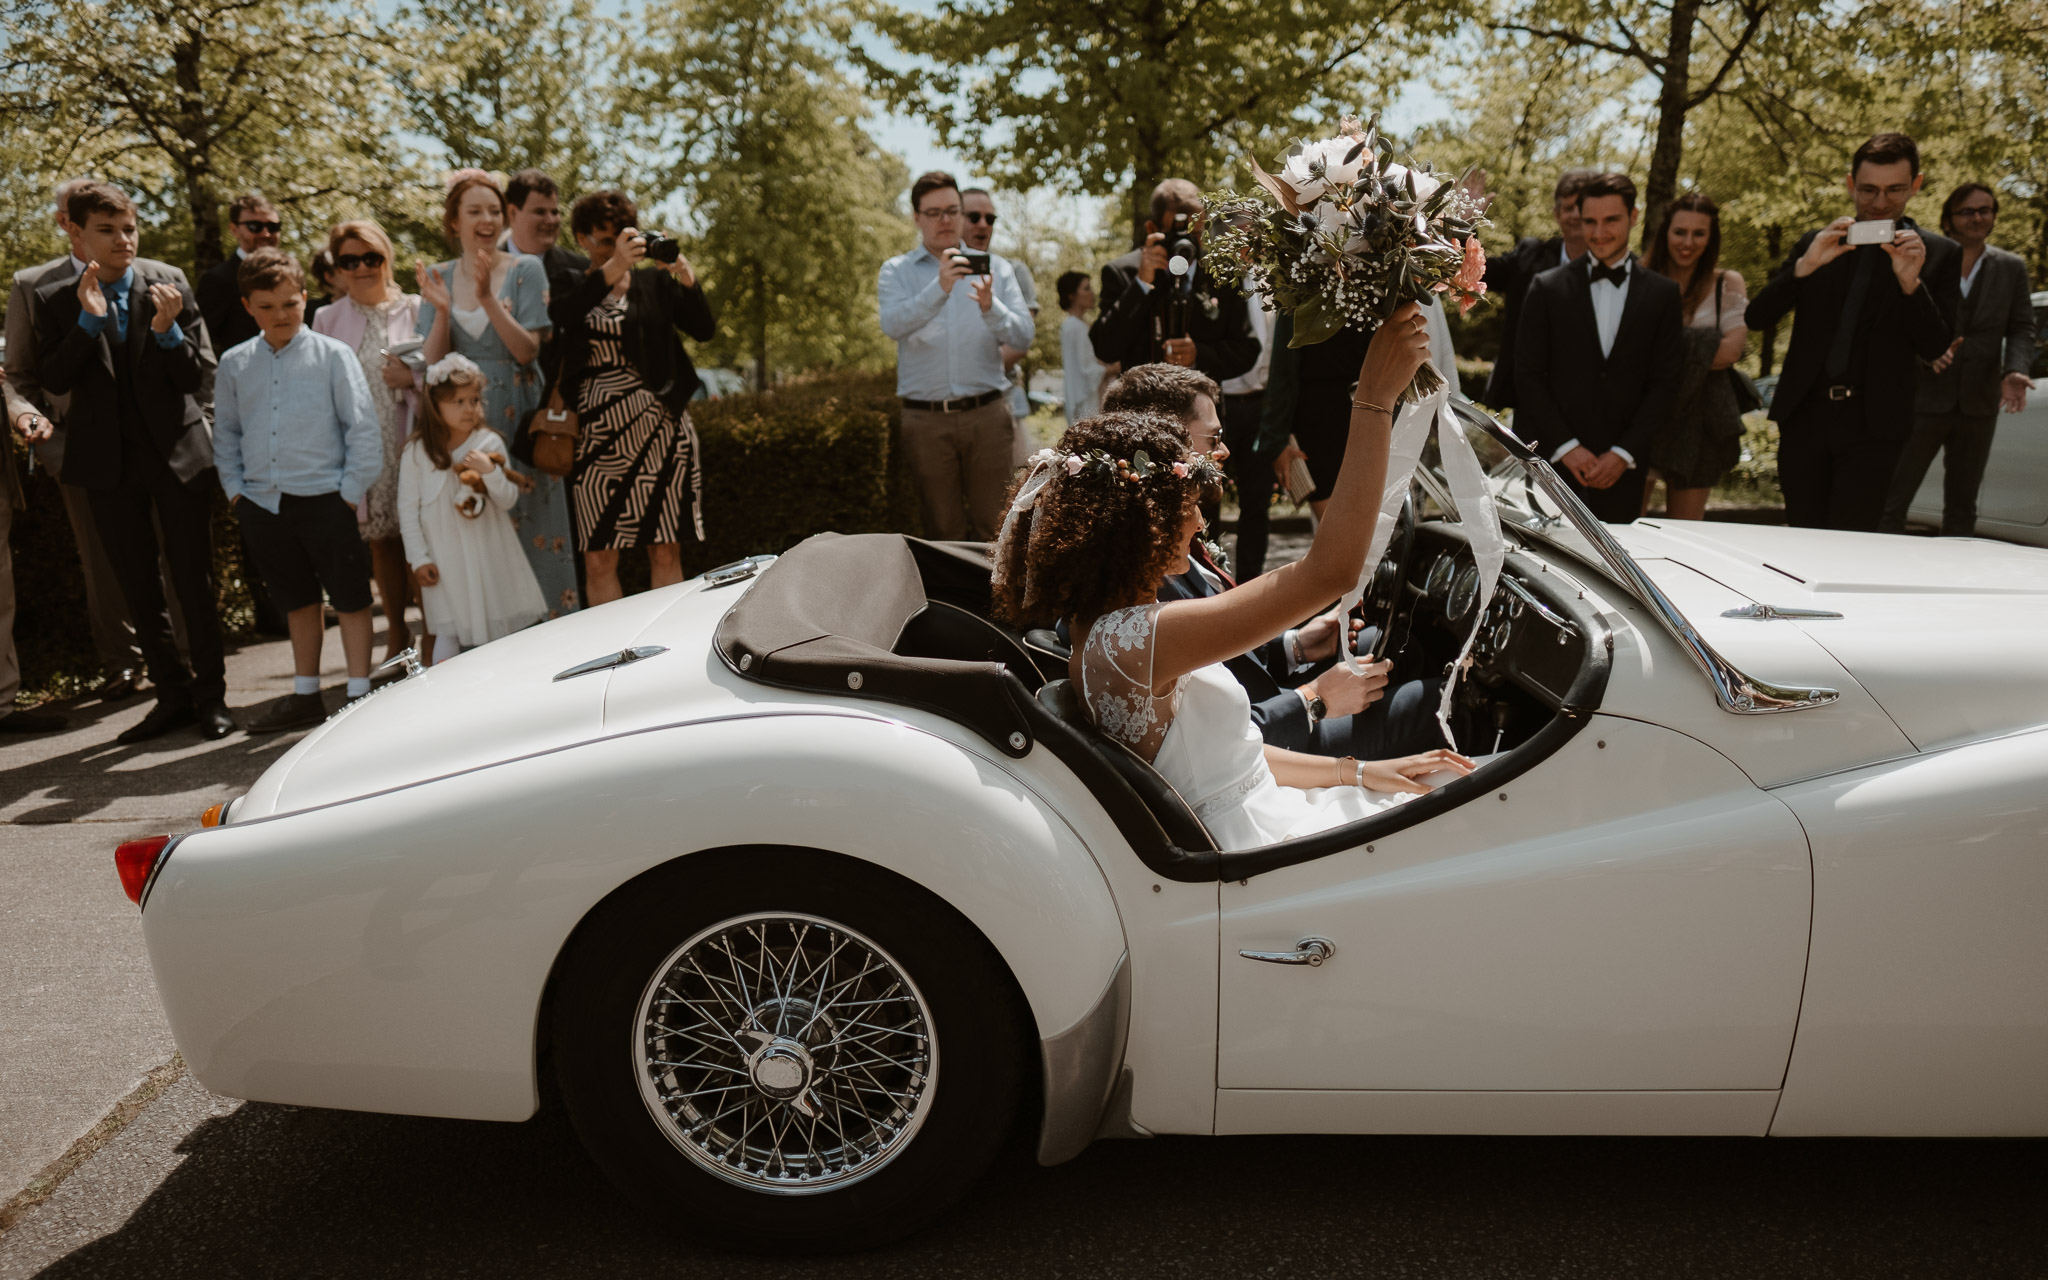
(816, 454)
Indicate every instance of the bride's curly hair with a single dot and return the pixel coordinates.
(1099, 540)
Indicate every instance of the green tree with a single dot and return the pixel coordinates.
(739, 107)
(1108, 97)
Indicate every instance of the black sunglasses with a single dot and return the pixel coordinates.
(264, 228)
(977, 217)
(350, 261)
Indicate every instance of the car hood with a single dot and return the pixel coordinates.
(1947, 634)
(502, 700)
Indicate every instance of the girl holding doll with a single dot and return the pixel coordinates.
(454, 493)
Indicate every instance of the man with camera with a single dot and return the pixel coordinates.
(957, 426)
(1161, 305)
(1875, 296)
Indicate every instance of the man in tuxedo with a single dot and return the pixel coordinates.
(1301, 699)
(1151, 314)
(257, 225)
(1867, 317)
(1511, 273)
(125, 341)
(1598, 357)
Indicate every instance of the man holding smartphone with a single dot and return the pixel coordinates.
(1875, 296)
(957, 427)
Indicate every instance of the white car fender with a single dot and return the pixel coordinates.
(389, 953)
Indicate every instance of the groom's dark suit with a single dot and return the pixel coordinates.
(1568, 389)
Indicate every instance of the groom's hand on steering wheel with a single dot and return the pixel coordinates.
(1316, 639)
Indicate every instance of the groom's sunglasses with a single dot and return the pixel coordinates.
(351, 261)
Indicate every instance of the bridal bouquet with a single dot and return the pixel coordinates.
(1343, 235)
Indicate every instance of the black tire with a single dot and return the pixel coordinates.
(976, 1020)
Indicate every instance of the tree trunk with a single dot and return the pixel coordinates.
(1662, 185)
(196, 162)
(1768, 356)
(759, 324)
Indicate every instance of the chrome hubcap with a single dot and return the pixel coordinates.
(785, 1053)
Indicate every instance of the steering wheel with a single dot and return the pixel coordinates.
(1382, 602)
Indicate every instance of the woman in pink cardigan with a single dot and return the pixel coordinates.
(372, 315)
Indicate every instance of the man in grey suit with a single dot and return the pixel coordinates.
(1984, 369)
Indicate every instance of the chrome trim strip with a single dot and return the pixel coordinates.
(1081, 1066)
(622, 658)
(1772, 613)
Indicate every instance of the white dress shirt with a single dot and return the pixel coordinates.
(1080, 371)
(1609, 300)
(1254, 379)
(946, 345)
(1970, 276)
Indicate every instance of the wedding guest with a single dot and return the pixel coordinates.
(256, 224)
(491, 305)
(139, 445)
(37, 416)
(1081, 374)
(11, 719)
(534, 222)
(1510, 274)
(298, 447)
(1250, 464)
(321, 269)
(1984, 369)
(372, 316)
(977, 229)
(1306, 411)
(1867, 317)
(958, 433)
(1598, 357)
(1150, 314)
(1703, 439)
(638, 477)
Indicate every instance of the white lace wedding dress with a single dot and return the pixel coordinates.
(1201, 739)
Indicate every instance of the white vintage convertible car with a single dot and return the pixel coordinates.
(805, 885)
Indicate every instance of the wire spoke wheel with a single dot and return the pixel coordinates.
(785, 1053)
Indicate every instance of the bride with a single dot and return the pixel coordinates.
(1103, 520)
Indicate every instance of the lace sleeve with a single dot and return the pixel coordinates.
(1116, 681)
(1734, 300)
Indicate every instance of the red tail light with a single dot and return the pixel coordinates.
(135, 860)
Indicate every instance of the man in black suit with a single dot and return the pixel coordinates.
(1511, 273)
(257, 225)
(533, 208)
(1598, 355)
(125, 341)
(1153, 314)
(1868, 316)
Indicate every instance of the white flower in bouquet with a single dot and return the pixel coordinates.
(1318, 167)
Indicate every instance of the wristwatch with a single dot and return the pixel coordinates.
(1317, 708)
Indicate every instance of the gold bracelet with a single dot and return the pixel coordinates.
(1370, 407)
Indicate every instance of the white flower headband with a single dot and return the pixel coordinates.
(1097, 463)
(450, 365)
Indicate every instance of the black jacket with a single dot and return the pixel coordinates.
(1897, 331)
(166, 383)
(1219, 321)
(1996, 324)
(656, 306)
(228, 323)
(1510, 276)
(1567, 390)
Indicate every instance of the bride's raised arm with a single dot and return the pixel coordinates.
(1194, 633)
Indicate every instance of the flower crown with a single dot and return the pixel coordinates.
(1097, 464)
(450, 365)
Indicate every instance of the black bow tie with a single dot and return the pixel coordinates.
(1619, 275)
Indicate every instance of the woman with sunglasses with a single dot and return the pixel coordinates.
(373, 316)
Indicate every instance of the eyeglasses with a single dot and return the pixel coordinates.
(940, 215)
(263, 228)
(977, 217)
(351, 261)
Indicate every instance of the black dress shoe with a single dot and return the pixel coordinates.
(162, 718)
(31, 722)
(119, 687)
(293, 711)
(215, 722)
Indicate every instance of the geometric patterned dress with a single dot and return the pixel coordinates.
(637, 467)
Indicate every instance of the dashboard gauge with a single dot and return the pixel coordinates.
(1440, 573)
(1497, 639)
(1464, 595)
(1514, 605)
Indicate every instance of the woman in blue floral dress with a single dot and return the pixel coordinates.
(492, 306)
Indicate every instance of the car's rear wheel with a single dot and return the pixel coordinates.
(790, 1050)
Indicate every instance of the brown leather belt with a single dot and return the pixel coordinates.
(960, 405)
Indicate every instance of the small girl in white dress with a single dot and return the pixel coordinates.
(475, 582)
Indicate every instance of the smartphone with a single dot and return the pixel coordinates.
(976, 260)
(1874, 232)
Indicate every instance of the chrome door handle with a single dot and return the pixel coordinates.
(1309, 951)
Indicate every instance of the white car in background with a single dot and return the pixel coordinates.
(2012, 505)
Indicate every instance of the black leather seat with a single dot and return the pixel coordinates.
(942, 630)
(1046, 646)
(1167, 805)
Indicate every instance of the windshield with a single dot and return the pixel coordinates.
(1526, 506)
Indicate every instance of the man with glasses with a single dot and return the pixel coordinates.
(958, 432)
(1983, 370)
(978, 227)
(256, 225)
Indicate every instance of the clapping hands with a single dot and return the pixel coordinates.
(433, 290)
(170, 302)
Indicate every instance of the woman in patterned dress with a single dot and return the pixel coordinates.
(637, 479)
(371, 316)
(492, 306)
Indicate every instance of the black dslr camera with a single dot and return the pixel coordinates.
(660, 247)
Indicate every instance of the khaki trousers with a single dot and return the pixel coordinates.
(961, 462)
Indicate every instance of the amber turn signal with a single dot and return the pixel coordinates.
(135, 860)
(212, 816)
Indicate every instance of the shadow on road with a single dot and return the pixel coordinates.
(272, 1190)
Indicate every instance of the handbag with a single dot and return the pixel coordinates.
(1300, 484)
(553, 428)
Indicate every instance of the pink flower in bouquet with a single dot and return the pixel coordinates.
(1470, 281)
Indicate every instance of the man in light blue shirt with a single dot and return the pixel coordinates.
(957, 427)
(298, 444)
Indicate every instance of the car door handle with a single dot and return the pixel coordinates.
(1309, 951)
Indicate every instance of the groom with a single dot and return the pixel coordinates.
(1300, 699)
